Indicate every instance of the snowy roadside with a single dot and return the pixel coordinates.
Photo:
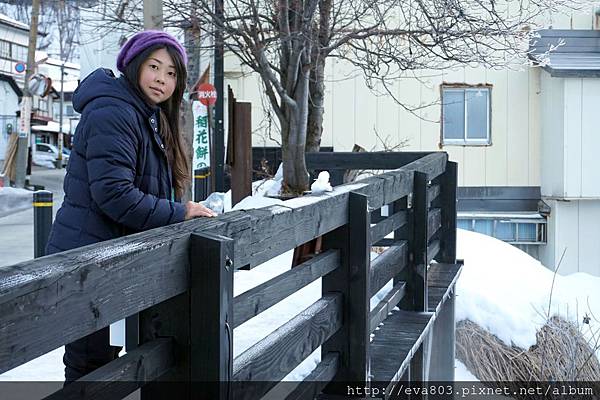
(13, 200)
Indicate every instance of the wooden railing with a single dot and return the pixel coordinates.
(179, 281)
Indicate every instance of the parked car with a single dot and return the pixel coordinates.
(46, 152)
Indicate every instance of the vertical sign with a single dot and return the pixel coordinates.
(207, 95)
(25, 119)
(201, 139)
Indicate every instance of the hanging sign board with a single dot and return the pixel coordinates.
(207, 94)
(201, 157)
(25, 118)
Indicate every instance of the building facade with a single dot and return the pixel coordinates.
(503, 129)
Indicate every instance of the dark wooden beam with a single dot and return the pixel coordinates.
(387, 265)
(312, 385)
(211, 314)
(124, 375)
(256, 300)
(432, 251)
(388, 225)
(260, 368)
(352, 281)
(362, 160)
(448, 206)
(387, 304)
(434, 222)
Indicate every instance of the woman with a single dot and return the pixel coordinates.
(128, 165)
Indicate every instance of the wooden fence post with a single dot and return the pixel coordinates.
(352, 279)
(448, 204)
(417, 273)
(211, 316)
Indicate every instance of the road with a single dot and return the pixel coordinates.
(16, 231)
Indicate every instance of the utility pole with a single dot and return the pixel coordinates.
(59, 159)
(26, 101)
(153, 14)
(220, 105)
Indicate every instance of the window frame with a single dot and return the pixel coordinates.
(465, 141)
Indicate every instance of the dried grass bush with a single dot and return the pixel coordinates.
(560, 354)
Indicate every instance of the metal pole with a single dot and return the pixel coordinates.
(220, 105)
(25, 126)
(60, 118)
(201, 183)
(42, 221)
(153, 14)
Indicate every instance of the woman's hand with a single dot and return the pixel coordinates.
(193, 210)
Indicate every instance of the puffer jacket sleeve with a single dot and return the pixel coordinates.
(112, 147)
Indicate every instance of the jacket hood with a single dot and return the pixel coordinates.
(103, 83)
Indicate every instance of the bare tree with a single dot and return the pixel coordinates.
(287, 43)
(58, 23)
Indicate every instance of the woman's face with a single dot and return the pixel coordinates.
(158, 76)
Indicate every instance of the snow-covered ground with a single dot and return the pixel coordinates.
(510, 294)
(501, 288)
(13, 200)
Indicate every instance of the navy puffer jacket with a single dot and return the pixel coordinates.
(118, 179)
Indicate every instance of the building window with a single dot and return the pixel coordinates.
(509, 230)
(4, 49)
(466, 115)
(19, 53)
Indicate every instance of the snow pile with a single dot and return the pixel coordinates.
(508, 293)
(13, 200)
(322, 184)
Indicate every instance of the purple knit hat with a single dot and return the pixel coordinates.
(141, 41)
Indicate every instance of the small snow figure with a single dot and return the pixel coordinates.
(322, 184)
(586, 319)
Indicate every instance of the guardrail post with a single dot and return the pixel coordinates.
(352, 279)
(211, 316)
(448, 204)
(42, 221)
(416, 285)
(201, 184)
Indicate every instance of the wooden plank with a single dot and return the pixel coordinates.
(387, 242)
(317, 379)
(256, 300)
(211, 310)
(387, 265)
(432, 194)
(395, 344)
(443, 275)
(260, 368)
(432, 251)
(387, 225)
(124, 375)
(434, 222)
(360, 160)
(43, 305)
(387, 304)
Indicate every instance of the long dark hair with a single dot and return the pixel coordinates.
(169, 115)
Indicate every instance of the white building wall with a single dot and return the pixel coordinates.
(573, 228)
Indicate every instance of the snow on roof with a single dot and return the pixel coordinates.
(13, 22)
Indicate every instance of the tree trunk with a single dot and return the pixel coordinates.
(316, 106)
(293, 133)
